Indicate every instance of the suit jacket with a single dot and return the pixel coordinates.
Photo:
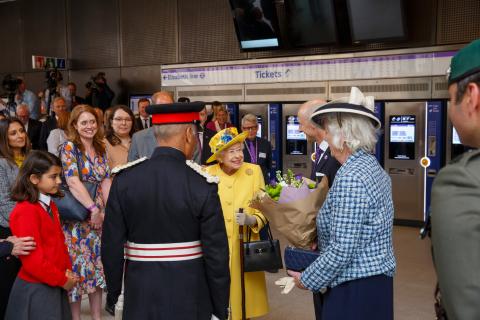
(327, 166)
(175, 204)
(455, 218)
(34, 132)
(263, 154)
(202, 153)
(143, 144)
(139, 123)
(47, 126)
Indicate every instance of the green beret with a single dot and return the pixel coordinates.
(465, 62)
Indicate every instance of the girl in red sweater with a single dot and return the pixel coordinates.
(39, 292)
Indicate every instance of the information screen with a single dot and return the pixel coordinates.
(296, 143)
(402, 137)
(133, 104)
(260, 122)
(455, 137)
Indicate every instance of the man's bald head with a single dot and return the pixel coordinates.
(162, 97)
(306, 125)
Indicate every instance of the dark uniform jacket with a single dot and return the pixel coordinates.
(455, 218)
(263, 153)
(159, 201)
(326, 166)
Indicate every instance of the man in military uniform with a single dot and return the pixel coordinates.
(455, 209)
(167, 213)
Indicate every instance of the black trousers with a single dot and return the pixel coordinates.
(9, 267)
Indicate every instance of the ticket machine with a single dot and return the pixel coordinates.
(296, 149)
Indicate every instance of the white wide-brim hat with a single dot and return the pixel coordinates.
(356, 103)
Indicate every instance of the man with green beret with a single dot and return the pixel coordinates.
(455, 209)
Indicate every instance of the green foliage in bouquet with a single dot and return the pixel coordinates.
(288, 179)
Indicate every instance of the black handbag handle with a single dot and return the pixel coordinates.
(270, 236)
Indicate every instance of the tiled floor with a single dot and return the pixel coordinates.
(414, 283)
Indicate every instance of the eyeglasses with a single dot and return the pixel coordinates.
(235, 151)
(126, 120)
(249, 128)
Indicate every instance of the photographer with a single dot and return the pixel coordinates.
(29, 98)
(56, 89)
(99, 93)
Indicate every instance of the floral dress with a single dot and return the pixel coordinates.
(83, 242)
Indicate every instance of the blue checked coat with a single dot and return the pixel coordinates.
(354, 226)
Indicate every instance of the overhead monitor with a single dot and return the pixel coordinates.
(310, 23)
(402, 137)
(133, 101)
(296, 143)
(376, 20)
(256, 24)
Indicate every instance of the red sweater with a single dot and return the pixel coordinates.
(49, 261)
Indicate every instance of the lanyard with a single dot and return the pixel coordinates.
(253, 157)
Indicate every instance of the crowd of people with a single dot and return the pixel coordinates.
(165, 223)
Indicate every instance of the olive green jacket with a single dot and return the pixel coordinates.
(455, 217)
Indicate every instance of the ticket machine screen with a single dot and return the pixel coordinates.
(402, 137)
(296, 140)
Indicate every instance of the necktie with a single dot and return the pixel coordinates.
(145, 121)
(48, 209)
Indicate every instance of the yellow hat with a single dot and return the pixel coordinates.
(225, 139)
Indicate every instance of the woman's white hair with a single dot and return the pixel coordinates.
(355, 131)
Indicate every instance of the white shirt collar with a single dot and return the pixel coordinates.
(44, 199)
(323, 145)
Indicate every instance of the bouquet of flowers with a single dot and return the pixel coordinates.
(291, 204)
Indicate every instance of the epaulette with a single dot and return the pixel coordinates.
(130, 164)
(198, 169)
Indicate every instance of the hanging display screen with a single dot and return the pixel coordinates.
(402, 137)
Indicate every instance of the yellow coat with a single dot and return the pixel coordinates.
(235, 192)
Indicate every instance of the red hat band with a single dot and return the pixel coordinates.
(184, 117)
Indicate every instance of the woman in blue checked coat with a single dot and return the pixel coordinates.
(356, 264)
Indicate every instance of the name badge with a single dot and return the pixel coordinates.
(262, 155)
(319, 174)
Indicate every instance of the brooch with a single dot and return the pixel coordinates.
(249, 172)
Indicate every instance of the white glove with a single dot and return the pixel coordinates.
(287, 283)
(245, 219)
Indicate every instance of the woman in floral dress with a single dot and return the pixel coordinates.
(84, 159)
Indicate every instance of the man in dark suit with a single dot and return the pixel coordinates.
(257, 150)
(143, 121)
(324, 165)
(32, 126)
(203, 151)
(172, 229)
(76, 100)
(59, 105)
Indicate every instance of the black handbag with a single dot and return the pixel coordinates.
(68, 206)
(299, 259)
(261, 255)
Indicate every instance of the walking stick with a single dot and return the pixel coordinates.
(242, 276)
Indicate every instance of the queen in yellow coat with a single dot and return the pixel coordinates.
(239, 182)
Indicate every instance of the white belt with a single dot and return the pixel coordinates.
(179, 251)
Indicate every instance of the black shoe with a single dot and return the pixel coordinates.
(110, 309)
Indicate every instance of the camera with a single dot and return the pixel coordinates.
(53, 76)
(96, 81)
(10, 84)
